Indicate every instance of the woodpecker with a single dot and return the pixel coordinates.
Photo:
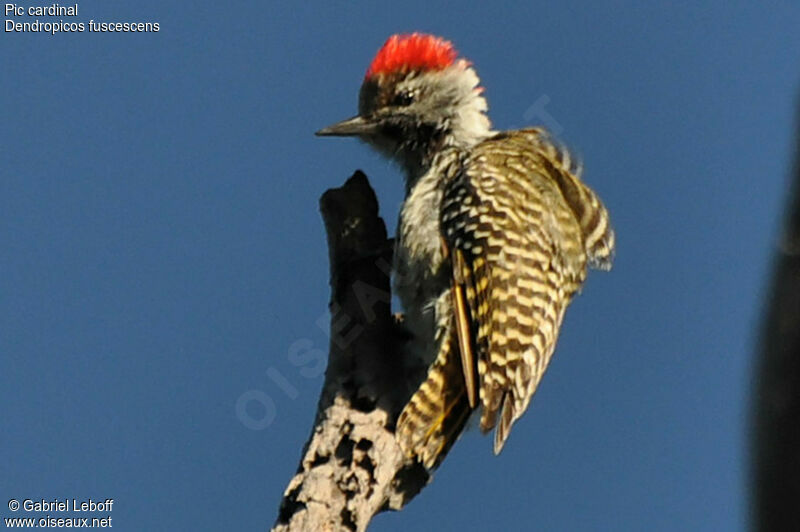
(494, 238)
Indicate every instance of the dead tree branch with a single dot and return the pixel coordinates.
(776, 456)
(352, 467)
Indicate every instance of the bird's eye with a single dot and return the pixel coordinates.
(402, 99)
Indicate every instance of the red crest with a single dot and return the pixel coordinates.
(417, 51)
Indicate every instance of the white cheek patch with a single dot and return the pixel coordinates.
(469, 124)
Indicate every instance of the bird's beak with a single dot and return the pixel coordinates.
(352, 127)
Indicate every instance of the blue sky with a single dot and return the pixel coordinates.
(163, 254)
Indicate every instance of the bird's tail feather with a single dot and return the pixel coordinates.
(437, 412)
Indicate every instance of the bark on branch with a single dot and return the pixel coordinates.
(352, 467)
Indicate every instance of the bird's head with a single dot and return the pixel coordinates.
(417, 97)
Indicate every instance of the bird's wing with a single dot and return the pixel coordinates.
(598, 235)
(463, 290)
(518, 254)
